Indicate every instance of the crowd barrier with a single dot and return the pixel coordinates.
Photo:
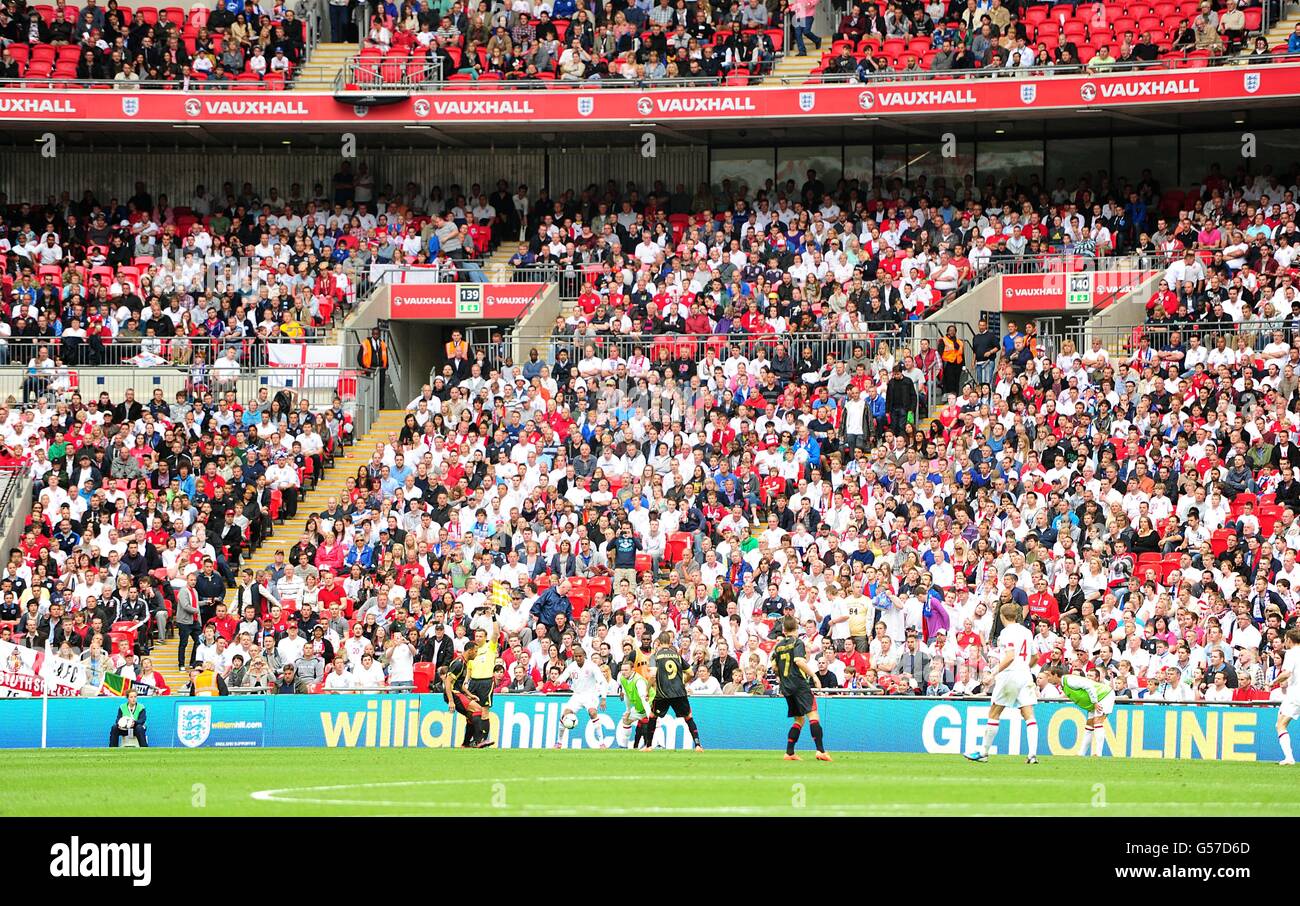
(853, 724)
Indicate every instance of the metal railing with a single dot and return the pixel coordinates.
(666, 346)
(12, 484)
(249, 351)
(385, 74)
(569, 280)
(1121, 343)
(403, 82)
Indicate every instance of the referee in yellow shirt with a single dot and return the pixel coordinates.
(481, 669)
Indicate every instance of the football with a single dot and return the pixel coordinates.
(568, 720)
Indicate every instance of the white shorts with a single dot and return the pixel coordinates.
(1107, 704)
(1014, 690)
(1290, 708)
(582, 701)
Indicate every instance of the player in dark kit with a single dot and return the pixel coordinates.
(791, 663)
(670, 689)
(454, 686)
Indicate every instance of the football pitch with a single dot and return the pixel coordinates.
(447, 782)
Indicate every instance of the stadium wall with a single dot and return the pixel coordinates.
(862, 724)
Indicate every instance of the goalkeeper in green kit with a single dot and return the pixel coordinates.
(1096, 698)
(637, 696)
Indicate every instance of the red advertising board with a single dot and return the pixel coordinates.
(1061, 290)
(705, 105)
(461, 301)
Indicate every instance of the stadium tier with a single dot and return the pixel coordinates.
(517, 374)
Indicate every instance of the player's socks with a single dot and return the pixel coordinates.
(470, 728)
(481, 736)
(599, 733)
(990, 731)
(1086, 747)
(562, 741)
(650, 724)
(815, 728)
(791, 738)
(1284, 740)
(1098, 738)
(695, 733)
(1031, 730)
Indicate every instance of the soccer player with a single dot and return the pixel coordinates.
(459, 697)
(1289, 709)
(791, 662)
(587, 681)
(670, 689)
(638, 695)
(1095, 698)
(1013, 684)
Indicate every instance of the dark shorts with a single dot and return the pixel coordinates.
(799, 704)
(681, 706)
(465, 705)
(482, 690)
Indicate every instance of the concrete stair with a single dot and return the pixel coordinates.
(317, 74)
(286, 535)
(497, 266)
(1282, 29)
(794, 69)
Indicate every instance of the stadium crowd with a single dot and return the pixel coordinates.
(235, 41)
(992, 37)
(509, 42)
(143, 512)
(1139, 505)
(103, 280)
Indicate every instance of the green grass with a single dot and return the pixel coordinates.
(544, 783)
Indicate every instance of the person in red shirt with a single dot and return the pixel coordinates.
(851, 657)
(589, 300)
(224, 624)
(330, 593)
(1043, 605)
(553, 683)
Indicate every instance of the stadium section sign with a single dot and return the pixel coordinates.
(461, 301)
(1156, 90)
(866, 724)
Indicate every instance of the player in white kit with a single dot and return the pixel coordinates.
(1289, 709)
(1013, 683)
(587, 681)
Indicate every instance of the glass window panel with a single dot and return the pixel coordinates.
(859, 163)
(740, 166)
(1134, 153)
(1070, 159)
(943, 175)
(793, 164)
(999, 161)
(891, 163)
(1200, 151)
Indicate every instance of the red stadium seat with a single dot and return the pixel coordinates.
(425, 674)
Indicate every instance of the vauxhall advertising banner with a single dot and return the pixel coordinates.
(940, 726)
(1156, 90)
(1059, 290)
(461, 301)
